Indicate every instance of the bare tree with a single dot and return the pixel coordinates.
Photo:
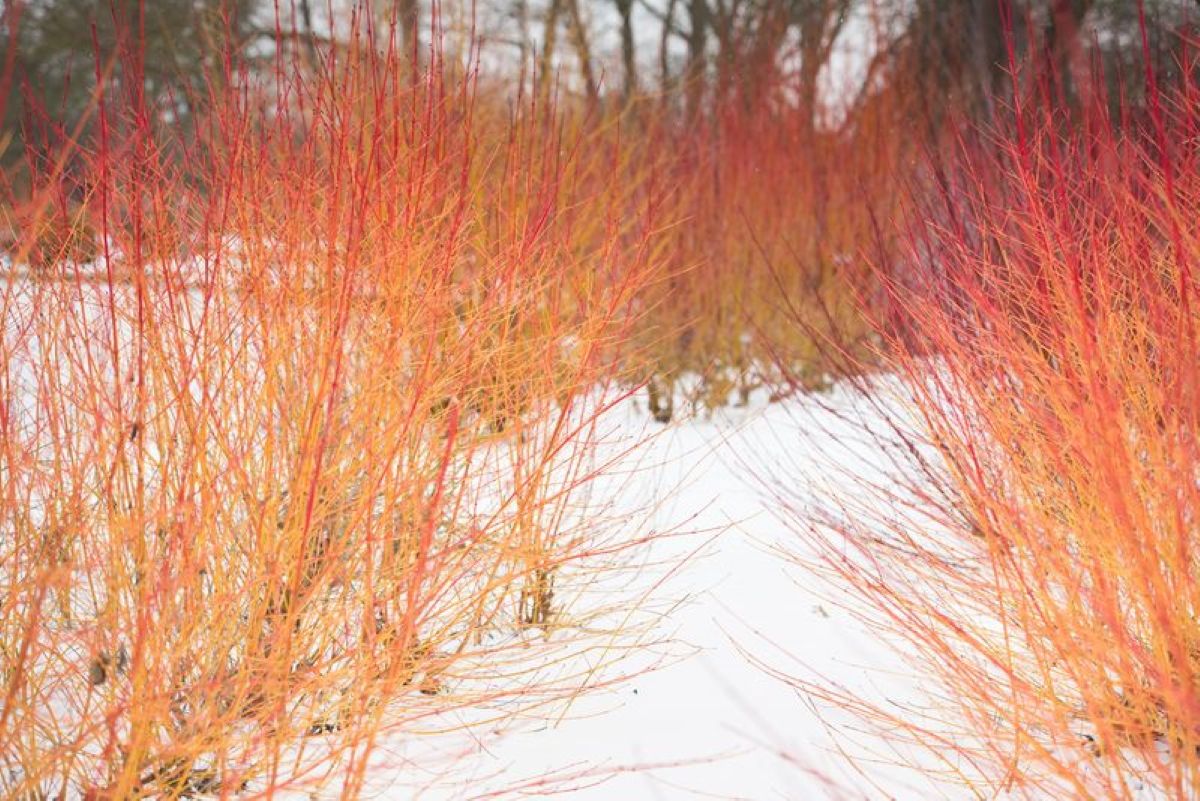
(628, 47)
(521, 15)
(408, 20)
(819, 24)
(664, 44)
(549, 45)
(1064, 53)
(699, 18)
(577, 30)
(583, 49)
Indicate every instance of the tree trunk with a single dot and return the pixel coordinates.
(1065, 62)
(583, 50)
(546, 60)
(521, 12)
(664, 63)
(408, 19)
(698, 20)
(625, 10)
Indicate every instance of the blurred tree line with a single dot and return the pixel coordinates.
(960, 49)
(51, 51)
(607, 50)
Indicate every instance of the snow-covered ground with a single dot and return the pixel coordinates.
(708, 722)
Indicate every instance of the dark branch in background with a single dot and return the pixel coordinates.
(667, 18)
(546, 62)
(628, 58)
(583, 49)
(408, 17)
(664, 43)
(699, 18)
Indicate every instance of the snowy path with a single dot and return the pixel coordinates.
(712, 725)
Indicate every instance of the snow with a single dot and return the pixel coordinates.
(693, 708)
(704, 717)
